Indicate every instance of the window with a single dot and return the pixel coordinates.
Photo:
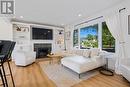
(89, 37)
(108, 41)
(75, 38)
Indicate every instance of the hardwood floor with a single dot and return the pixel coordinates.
(32, 76)
(104, 81)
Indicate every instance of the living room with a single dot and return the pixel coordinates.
(65, 43)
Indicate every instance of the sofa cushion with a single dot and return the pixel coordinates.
(76, 59)
(94, 52)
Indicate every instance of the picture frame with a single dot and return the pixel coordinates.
(67, 35)
(128, 24)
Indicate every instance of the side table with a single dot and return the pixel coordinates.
(105, 70)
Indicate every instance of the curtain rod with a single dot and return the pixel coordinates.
(88, 21)
(122, 9)
(95, 18)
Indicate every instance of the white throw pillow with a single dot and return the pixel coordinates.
(77, 52)
(94, 52)
(81, 52)
(86, 53)
(69, 51)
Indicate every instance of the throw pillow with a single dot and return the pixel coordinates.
(81, 52)
(94, 52)
(86, 53)
(77, 52)
(70, 51)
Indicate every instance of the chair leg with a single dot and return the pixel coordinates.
(11, 74)
(4, 75)
(2, 78)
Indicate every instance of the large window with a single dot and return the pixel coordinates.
(108, 41)
(89, 37)
(75, 38)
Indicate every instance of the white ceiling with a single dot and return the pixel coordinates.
(59, 12)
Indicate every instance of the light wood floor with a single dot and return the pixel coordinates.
(32, 76)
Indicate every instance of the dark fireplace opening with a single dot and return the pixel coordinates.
(42, 49)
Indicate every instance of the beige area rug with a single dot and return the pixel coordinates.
(64, 77)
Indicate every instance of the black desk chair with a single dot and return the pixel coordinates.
(6, 48)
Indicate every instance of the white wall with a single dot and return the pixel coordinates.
(5, 29)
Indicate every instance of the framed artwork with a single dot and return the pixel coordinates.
(67, 35)
(22, 29)
(128, 24)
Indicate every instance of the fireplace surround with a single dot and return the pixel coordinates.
(42, 49)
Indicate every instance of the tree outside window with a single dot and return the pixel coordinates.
(89, 37)
(108, 41)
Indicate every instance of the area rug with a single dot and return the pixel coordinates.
(64, 77)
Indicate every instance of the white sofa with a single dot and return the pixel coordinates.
(81, 61)
(125, 68)
(23, 55)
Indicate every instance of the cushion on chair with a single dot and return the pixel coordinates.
(1, 46)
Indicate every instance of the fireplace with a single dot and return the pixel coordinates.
(42, 49)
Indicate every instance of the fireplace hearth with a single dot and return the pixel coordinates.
(42, 49)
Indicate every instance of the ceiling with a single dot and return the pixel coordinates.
(59, 12)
